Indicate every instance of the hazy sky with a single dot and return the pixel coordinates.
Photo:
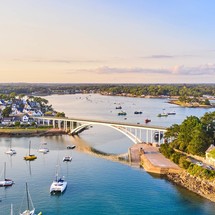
(107, 41)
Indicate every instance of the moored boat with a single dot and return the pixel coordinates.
(122, 113)
(6, 182)
(171, 113)
(59, 184)
(43, 149)
(30, 207)
(67, 158)
(10, 151)
(71, 147)
(147, 120)
(138, 112)
(30, 156)
(162, 114)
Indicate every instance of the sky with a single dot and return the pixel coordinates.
(107, 41)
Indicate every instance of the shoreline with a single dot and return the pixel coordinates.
(30, 132)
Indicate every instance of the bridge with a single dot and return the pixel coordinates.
(137, 133)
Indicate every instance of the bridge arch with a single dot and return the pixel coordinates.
(121, 129)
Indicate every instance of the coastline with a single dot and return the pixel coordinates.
(195, 184)
(30, 132)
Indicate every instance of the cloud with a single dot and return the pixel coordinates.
(207, 69)
(62, 61)
(160, 56)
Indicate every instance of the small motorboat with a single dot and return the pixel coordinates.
(162, 114)
(71, 147)
(138, 112)
(147, 120)
(122, 113)
(171, 113)
(67, 159)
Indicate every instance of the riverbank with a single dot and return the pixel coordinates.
(29, 132)
(153, 161)
(195, 184)
(190, 105)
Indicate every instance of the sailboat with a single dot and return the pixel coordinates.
(28, 211)
(43, 149)
(30, 156)
(6, 182)
(59, 184)
(10, 151)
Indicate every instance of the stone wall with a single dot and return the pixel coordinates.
(200, 186)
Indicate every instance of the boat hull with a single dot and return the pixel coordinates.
(6, 183)
(58, 186)
(28, 212)
(30, 157)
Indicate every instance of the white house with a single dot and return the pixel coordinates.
(210, 159)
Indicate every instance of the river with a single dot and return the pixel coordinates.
(96, 185)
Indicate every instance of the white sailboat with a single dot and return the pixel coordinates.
(6, 181)
(59, 184)
(30, 207)
(43, 149)
(10, 151)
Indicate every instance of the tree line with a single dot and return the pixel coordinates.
(187, 90)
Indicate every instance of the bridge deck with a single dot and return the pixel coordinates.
(112, 123)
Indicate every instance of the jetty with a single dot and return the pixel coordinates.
(149, 157)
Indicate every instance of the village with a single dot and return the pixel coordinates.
(19, 112)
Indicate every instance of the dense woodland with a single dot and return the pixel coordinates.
(186, 90)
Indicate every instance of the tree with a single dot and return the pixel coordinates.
(6, 112)
(60, 114)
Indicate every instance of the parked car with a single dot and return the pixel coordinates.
(199, 163)
(209, 167)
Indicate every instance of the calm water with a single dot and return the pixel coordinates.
(95, 185)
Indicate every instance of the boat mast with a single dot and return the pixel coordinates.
(4, 170)
(29, 148)
(27, 196)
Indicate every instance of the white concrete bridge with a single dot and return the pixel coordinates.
(138, 133)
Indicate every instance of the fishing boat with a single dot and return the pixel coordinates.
(10, 151)
(6, 182)
(30, 156)
(59, 184)
(43, 149)
(30, 207)
(67, 158)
